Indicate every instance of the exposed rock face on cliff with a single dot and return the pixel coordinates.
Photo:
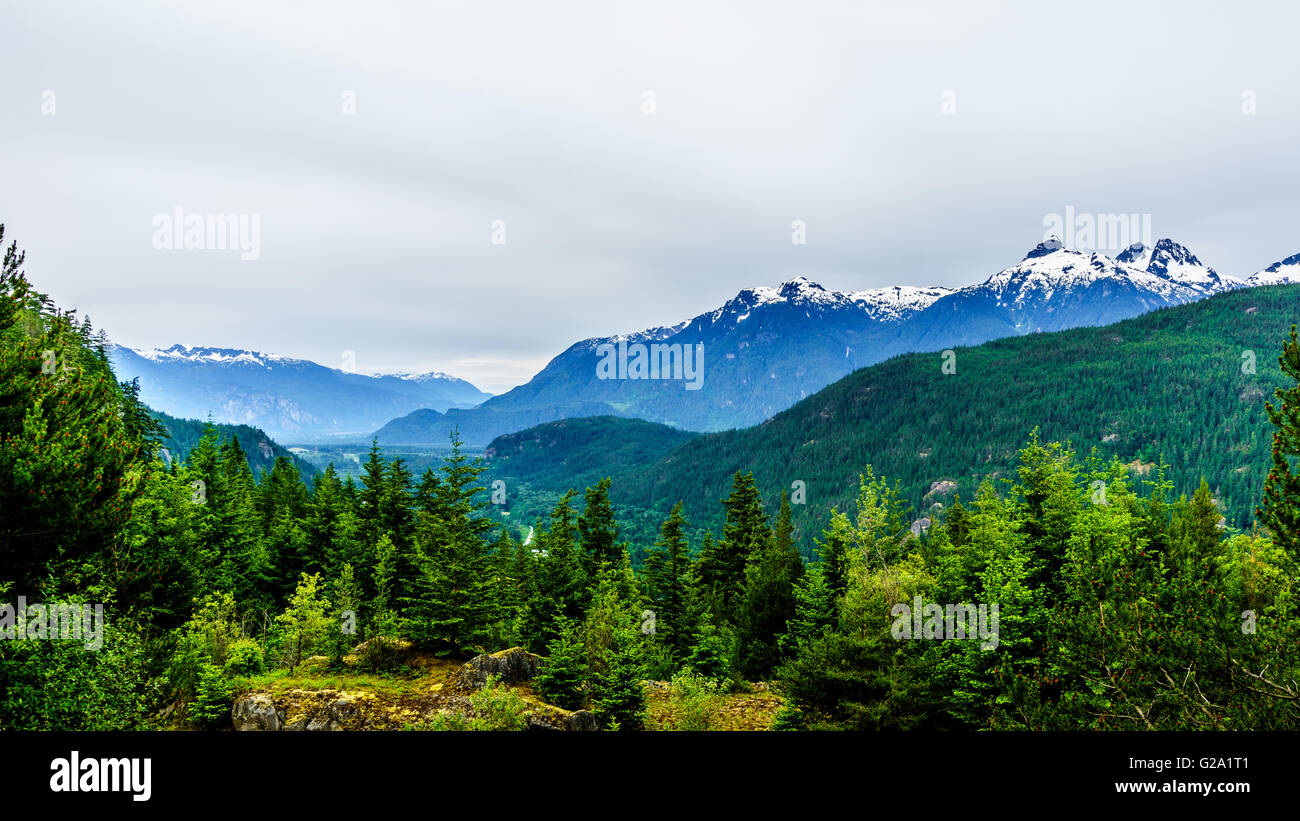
(513, 666)
(256, 711)
(308, 710)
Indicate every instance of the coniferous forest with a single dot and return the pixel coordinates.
(1095, 597)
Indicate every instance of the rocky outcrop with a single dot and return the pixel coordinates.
(256, 711)
(557, 719)
(514, 666)
(299, 710)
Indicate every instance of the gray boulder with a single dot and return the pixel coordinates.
(513, 666)
(556, 719)
(256, 711)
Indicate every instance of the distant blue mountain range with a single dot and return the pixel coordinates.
(292, 400)
(756, 355)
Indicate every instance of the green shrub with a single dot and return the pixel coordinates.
(693, 702)
(563, 674)
(659, 663)
(244, 658)
(788, 718)
(62, 685)
(449, 722)
(382, 654)
(212, 700)
(497, 707)
(711, 657)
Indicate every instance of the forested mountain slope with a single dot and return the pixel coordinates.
(1186, 383)
(183, 436)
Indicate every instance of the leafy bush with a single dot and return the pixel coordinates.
(497, 707)
(245, 658)
(205, 639)
(693, 702)
(62, 685)
(788, 718)
(659, 663)
(449, 722)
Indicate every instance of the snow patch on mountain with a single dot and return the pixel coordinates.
(1283, 272)
(1169, 260)
(421, 378)
(229, 356)
(1050, 268)
(899, 301)
(889, 304)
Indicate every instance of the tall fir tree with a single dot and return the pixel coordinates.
(1280, 511)
(598, 532)
(669, 577)
(452, 599)
(769, 601)
(744, 534)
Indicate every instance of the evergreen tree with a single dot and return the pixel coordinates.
(598, 532)
(769, 598)
(1280, 511)
(745, 533)
(618, 694)
(452, 600)
(814, 611)
(713, 652)
(383, 612)
(564, 673)
(557, 589)
(370, 497)
(669, 578)
(347, 601)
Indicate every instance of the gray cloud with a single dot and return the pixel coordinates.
(376, 227)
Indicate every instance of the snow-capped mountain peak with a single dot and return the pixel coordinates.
(1282, 272)
(1173, 262)
(410, 376)
(1137, 255)
(213, 356)
(888, 304)
(803, 289)
(1051, 272)
(799, 290)
(1048, 246)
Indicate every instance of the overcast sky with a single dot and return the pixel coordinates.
(645, 164)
